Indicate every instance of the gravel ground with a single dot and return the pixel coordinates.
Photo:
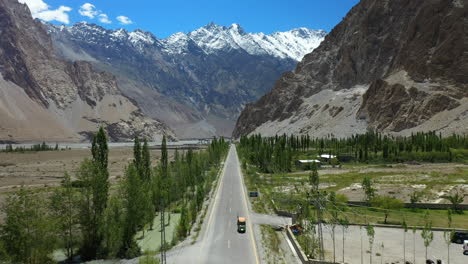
(392, 238)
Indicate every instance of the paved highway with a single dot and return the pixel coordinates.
(220, 242)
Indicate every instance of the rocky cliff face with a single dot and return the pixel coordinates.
(395, 66)
(196, 82)
(46, 98)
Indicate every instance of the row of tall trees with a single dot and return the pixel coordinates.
(88, 217)
(273, 154)
(36, 147)
(269, 154)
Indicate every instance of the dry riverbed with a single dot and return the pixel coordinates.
(46, 168)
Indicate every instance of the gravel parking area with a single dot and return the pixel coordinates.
(392, 238)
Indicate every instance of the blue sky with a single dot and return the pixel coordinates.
(164, 18)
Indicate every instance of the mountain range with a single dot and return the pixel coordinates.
(60, 83)
(43, 97)
(198, 82)
(397, 67)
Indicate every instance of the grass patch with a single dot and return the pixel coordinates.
(151, 241)
(361, 215)
(271, 242)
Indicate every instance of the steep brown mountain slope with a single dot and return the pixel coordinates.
(397, 66)
(45, 98)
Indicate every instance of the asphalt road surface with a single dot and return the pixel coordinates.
(219, 240)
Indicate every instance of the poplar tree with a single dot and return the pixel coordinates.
(94, 176)
(114, 218)
(427, 234)
(64, 203)
(134, 212)
(146, 162)
(137, 154)
(27, 232)
(370, 235)
(369, 190)
(163, 198)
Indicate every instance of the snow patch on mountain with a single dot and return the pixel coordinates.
(176, 43)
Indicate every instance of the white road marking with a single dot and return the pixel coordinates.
(230, 209)
(214, 204)
(249, 223)
(229, 243)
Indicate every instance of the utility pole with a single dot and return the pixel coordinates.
(318, 207)
(318, 204)
(163, 234)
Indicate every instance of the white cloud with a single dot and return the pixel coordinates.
(57, 14)
(124, 20)
(103, 18)
(88, 10)
(39, 9)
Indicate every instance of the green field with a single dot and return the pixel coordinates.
(151, 241)
(288, 190)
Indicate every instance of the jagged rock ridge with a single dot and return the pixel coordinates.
(394, 66)
(46, 98)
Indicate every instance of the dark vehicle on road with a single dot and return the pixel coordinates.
(241, 224)
(458, 237)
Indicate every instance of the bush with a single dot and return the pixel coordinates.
(148, 259)
(78, 184)
(460, 155)
(388, 204)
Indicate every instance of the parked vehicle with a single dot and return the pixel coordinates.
(459, 236)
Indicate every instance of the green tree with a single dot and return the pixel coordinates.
(147, 258)
(455, 199)
(318, 199)
(314, 179)
(100, 150)
(134, 212)
(427, 234)
(91, 208)
(142, 162)
(388, 204)
(94, 176)
(184, 226)
(137, 154)
(3, 254)
(146, 161)
(415, 197)
(64, 205)
(371, 235)
(369, 190)
(27, 233)
(114, 218)
(448, 234)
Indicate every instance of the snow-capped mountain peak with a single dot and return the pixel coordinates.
(237, 28)
(139, 36)
(293, 44)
